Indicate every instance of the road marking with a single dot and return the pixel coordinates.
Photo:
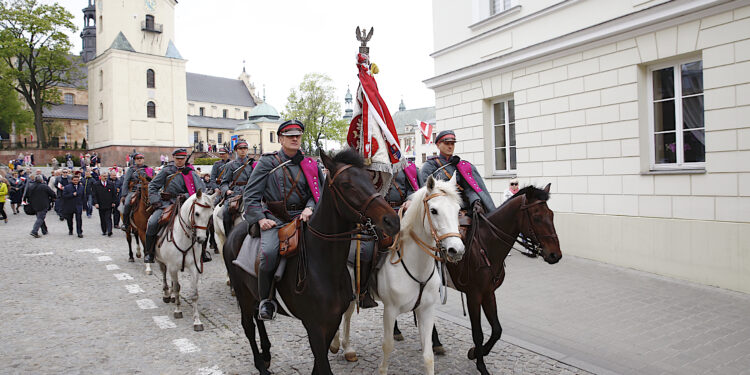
(134, 288)
(122, 276)
(209, 371)
(37, 254)
(112, 267)
(92, 251)
(185, 346)
(146, 304)
(104, 258)
(163, 322)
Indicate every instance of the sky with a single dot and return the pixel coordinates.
(280, 41)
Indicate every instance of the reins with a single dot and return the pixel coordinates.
(190, 230)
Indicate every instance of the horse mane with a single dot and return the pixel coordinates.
(349, 156)
(413, 215)
(536, 193)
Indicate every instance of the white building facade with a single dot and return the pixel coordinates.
(637, 112)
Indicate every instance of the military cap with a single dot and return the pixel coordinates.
(291, 127)
(446, 136)
(179, 153)
(240, 143)
(223, 150)
(137, 155)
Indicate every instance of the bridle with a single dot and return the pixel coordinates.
(364, 222)
(531, 243)
(190, 230)
(437, 252)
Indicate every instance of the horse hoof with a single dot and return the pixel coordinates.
(198, 327)
(173, 300)
(131, 260)
(267, 364)
(471, 355)
(351, 357)
(438, 350)
(166, 299)
(398, 337)
(233, 295)
(333, 349)
(138, 254)
(229, 283)
(148, 272)
(216, 251)
(178, 315)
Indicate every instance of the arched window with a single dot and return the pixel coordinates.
(271, 134)
(101, 111)
(101, 79)
(150, 79)
(149, 22)
(151, 110)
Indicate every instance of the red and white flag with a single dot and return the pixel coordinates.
(426, 132)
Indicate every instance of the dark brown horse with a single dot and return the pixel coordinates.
(316, 286)
(482, 270)
(138, 220)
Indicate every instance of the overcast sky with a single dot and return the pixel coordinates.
(282, 40)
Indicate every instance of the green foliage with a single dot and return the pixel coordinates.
(84, 145)
(35, 52)
(75, 145)
(315, 104)
(11, 109)
(205, 161)
(62, 160)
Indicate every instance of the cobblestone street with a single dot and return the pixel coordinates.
(77, 306)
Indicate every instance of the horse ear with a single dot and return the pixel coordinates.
(453, 178)
(327, 161)
(430, 183)
(198, 193)
(546, 188)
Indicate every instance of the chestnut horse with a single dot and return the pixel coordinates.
(482, 270)
(138, 220)
(316, 286)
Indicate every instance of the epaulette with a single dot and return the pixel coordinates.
(270, 153)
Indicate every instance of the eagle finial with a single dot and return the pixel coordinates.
(364, 37)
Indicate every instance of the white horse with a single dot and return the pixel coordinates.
(408, 281)
(220, 235)
(178, 252)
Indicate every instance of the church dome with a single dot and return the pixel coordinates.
(263, 110)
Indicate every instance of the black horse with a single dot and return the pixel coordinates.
(316, 286)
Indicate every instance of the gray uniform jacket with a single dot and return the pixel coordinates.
(176, 185)
(265, 187)
(401, 189)
(133, 173)
(216, 170)
(242, 178)
(468, 195)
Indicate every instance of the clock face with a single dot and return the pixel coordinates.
(150, 4)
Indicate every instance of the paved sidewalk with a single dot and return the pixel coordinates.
(607, 319)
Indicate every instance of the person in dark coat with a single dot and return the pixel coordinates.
(15, 191)
(88, 182)
(73, 198)
(117, 183)
(40, 196)
(105, 197)
(60, 183)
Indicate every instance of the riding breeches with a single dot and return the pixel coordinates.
(153, 222)
(126, 208)
(269, 247)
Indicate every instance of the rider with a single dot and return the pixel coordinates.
(218, 169)
(173, 180)
(235, 176)
(135, 172)
(474, 194)
(276, 194)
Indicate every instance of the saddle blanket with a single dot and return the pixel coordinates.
(249, 255)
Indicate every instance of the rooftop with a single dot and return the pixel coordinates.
(411, 116)
(211, 89)
(67, 111)
(213, 122)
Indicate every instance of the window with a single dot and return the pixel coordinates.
(150, 79)
(424, 158)
(498, 6)
(220, 138)
(149, 22)
(69, 99)
(202, 111)
(271, 135)
(101, 111)
(101, 80)
(677, 130)
(195, 137)
(224, 113)
(151, 110)
(245, 115)
(504, 136)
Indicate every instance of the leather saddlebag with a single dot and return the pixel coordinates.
(233, 205)
(167, 215)
(289, 238)
(464, 223)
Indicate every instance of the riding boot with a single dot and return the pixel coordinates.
(205, 255)
(267, 308)
(365, 299)
(125, 219)
(149, 249)
(228, 222)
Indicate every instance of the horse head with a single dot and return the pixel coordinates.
(352, 185)
(199, 208)
(437, 204)
(537, 222)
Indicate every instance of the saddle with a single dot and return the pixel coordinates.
(289, 236)
(133, 200)
(166, 215)
(234, 206)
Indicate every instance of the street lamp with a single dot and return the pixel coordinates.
(255, 149)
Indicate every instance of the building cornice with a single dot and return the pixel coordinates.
(651, 19)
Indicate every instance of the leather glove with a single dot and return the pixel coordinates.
(454, 160)
(254, 230)
(477, 207)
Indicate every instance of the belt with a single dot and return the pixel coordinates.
(295, 207)
(395, 204)
(243, 183)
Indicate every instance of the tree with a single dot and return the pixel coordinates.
(34, 49)
(315, 104)
(11, 110)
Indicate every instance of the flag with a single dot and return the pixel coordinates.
(426, 132)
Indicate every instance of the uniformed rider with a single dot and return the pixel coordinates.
(172, 181)
(134, 173)
(474, 194)
(277, 193)
(235, 176)
(217, 171)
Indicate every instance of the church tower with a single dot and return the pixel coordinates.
(88, 35)
(348, 112)
(137, 92)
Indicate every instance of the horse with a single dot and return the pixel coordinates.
(429, 234)
(220, 236)
(138, 221)
(482, 270)
(316, 287)
(186, 229)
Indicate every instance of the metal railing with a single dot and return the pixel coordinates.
(152, 27)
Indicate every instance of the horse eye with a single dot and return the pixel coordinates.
(197, 214)
(433, 211)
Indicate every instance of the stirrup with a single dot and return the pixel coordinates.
(275, 308)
